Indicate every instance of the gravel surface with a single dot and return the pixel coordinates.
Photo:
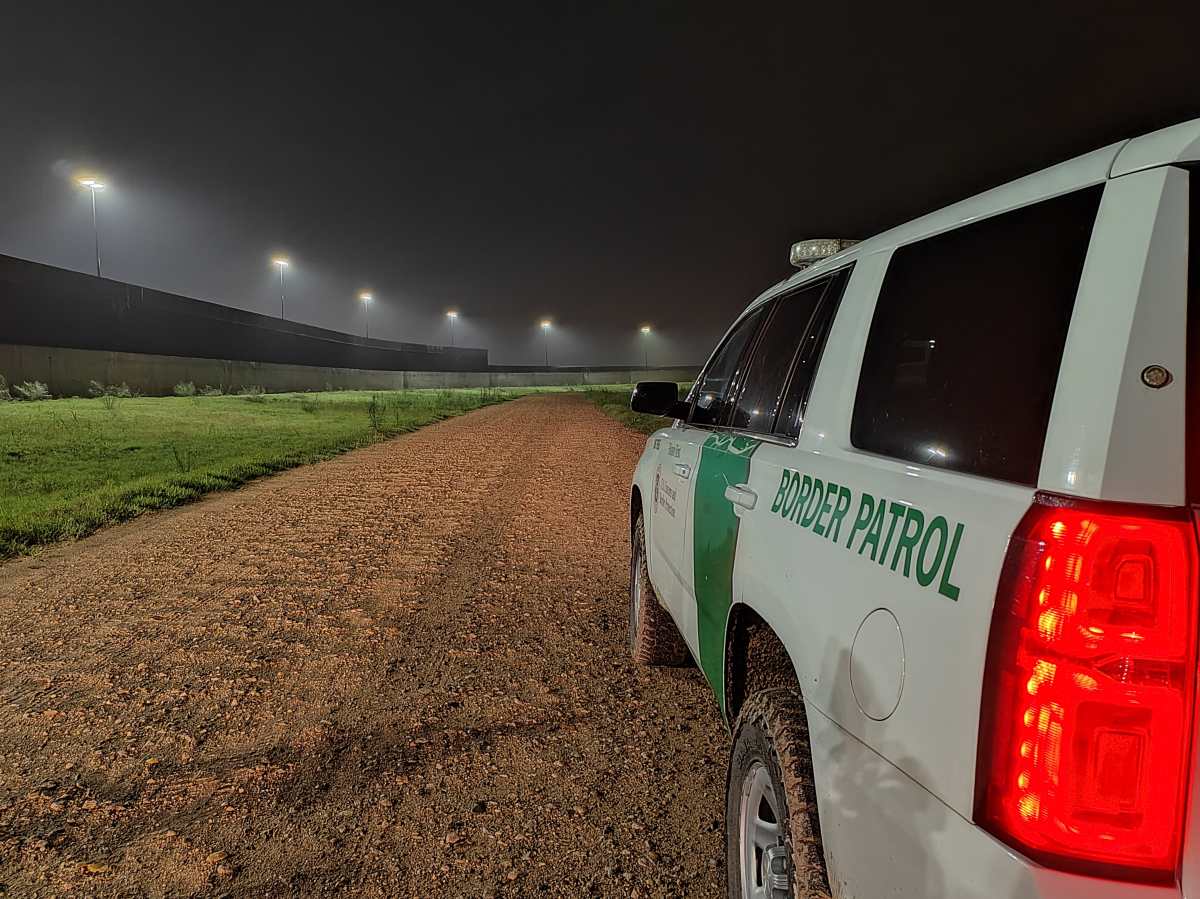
(401, 672)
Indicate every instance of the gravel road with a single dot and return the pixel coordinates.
(401, 672)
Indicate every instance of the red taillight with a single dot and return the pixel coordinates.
(1087, 703)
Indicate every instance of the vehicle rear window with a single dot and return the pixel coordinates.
(767, 370)
(963, 353)
(804, 369)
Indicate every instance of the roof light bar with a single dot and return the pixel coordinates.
(808, 252)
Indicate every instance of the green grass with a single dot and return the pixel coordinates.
(70, 466)
(614, 402)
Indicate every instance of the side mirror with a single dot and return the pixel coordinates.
(658, 398)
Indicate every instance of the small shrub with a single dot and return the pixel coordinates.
(185, 388)
(377, 412)
(110, 401)
(253, 393)
(5, 396)
(32, 391)
(310, 405)
(183, 458)
(209, 390)
(101, 391)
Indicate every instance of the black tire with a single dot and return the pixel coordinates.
(653, 637)
(771, 732)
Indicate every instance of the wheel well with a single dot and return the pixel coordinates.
(635, 508)
(755, 659)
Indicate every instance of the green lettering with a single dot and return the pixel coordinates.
(947, 589)
(897, 510)
(790, 500)
(925, 575)
(835, 521)
(831, 490)
(908, 538)
(805, 489)
(783, 486)
(866, 505)
(814, 503)
(876, 530)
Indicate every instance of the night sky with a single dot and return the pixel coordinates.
(604, 165)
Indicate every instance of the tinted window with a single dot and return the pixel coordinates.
(711, 394)
(766, 375)
(791, 413)
(963, 353)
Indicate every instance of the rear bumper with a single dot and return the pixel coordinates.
(886, 836)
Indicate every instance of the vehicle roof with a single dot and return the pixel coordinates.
(1178, 143)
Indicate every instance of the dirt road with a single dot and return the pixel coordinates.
(398, 673)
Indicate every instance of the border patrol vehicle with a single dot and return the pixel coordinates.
(926, 523)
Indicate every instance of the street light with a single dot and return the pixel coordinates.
(93, 185)
(453, 316)
(645, 346)
(366, 301)
(282, 263)
(546, 339)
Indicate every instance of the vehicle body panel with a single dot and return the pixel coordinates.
(886, 837)
(669, 499)
(1109, 437)
(1167, 146)
(895, 741)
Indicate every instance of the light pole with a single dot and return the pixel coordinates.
(366, 301)
(93, 185)
(546, 339)
(282, 263)
(645, 347)
(453, 316)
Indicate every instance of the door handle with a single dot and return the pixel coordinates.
(684, 471)
(741, 495)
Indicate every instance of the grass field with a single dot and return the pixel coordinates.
(614, 401)
(70, 466)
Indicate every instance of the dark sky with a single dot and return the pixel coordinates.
(605, 165)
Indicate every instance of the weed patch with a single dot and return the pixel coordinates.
(31, 391)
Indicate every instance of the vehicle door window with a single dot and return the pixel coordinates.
(712, 392)
(762, 388)
(791, 411)
(962, 357)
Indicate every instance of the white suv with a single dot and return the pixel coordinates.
(925, 521)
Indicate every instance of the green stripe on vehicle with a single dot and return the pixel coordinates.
(724, 460)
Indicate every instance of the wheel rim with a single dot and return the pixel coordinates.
(764, 860)
(635, 592)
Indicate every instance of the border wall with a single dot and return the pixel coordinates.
(41, 305)
(68, 371)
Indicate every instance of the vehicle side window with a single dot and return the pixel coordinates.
(804, 370)
(712, 393)
(963, 353)
(761, 391)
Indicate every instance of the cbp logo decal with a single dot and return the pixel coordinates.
(920, 546)
(734, 444)
(664, 494)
